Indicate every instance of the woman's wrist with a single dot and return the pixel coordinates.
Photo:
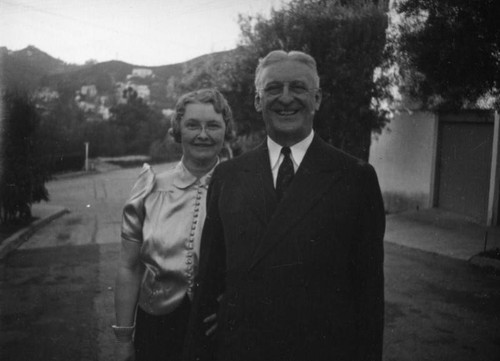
(123, 333)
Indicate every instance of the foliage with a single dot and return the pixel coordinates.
(449, 51)
(105, 139)
(60, 135)
(24, 172)
(232, 73)
(165, 150)
(347, 41)
(138, 124)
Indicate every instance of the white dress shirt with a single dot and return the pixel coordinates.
(297, 153)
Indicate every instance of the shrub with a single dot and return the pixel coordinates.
(24, 172)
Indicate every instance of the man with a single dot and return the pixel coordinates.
(293, 239)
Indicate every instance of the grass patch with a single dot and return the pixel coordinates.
(492, 253)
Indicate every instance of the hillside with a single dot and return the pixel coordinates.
(34, 68)
(25, 68)
(38, 72)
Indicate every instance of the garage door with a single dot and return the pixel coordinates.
(464, 164)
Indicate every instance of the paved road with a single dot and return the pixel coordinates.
(57, 289)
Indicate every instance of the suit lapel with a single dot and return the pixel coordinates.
(257, 181)
(316, 174)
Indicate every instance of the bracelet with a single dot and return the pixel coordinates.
(123, 333)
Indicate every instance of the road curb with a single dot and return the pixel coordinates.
(486, 263)
(17, 239)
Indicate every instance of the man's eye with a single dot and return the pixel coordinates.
(298, 88)
(274, 89)
(191, 125)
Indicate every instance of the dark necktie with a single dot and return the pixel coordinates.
(285, 173)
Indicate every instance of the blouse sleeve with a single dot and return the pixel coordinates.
(134, 211)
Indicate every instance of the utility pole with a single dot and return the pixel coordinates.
(86, 156)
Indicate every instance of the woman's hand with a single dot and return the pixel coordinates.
(124, 351)
(212, 319)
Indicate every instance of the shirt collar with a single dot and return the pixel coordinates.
(184, 178)
(298, 150)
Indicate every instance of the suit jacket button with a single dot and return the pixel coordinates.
(267, 301)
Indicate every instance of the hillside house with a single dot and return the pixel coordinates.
(141, 73)
(86, 106)
(89, 91)
(46, 94)
(142, 92)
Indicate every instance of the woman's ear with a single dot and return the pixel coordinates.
(176, 134)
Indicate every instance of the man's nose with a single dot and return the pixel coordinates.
(286, 96)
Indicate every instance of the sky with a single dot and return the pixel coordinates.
(139, 32)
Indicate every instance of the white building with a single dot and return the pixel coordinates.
(142, 73)
(441, 160)
(89, 90)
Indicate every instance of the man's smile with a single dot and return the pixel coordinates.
(286, 112)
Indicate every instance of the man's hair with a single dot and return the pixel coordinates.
(277, 56)
(202, 96)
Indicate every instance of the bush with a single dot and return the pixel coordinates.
(67, 162)
(166, 150)
(24, 172)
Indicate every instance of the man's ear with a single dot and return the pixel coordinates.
(257, 102)
(317, 99)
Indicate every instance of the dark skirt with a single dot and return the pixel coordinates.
(161, 338)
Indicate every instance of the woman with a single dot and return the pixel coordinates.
(161, 231)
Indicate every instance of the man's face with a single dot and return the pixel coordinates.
(202, 133)
(288, 100)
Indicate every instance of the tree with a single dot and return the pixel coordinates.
(24, 173)
(105, 139)
(60, 135)
(449, 51)
(139, 124)
(347, 40)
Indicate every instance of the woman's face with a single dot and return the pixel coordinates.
(202, 133)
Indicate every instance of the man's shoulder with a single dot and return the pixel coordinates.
(240, 162)
(336, 155)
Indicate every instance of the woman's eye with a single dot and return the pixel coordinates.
(214, 126)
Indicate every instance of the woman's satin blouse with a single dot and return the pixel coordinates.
(165, 214)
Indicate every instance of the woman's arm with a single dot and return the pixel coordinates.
(128, 282)
(127, 287)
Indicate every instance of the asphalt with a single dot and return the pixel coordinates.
(431, 230)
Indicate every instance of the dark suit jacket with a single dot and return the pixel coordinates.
(301, 279)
